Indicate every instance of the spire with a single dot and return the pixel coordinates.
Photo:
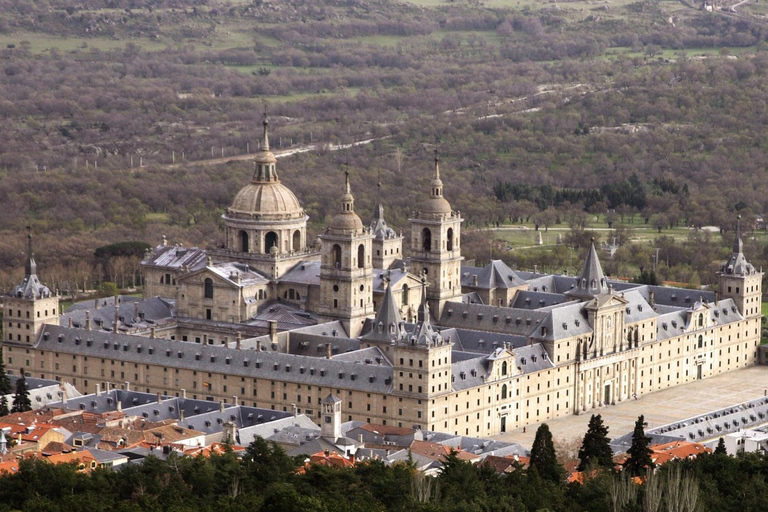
(347, 199)
(265, 136)
(265, 160)
(31, 266)
(591, 281)
(738, 246)
(437, 184)
(388, 324)
(737, 264)
(423, 312)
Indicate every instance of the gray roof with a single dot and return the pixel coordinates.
(479, 317)
(304, 272)
(494, 275)
(218, 358)
(174, 258)
(535, 300)
(133, 313)
(737, 264)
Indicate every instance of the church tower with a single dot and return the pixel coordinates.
(346, 271)
(265, 226)
(435, 246)
(30, 306)
(738, 280)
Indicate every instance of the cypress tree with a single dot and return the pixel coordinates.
(595, 449)
(720, 448)
(544, 458)
(5, 382)
(639, 453)
(21, 402)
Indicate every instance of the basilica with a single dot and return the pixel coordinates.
(274, 320)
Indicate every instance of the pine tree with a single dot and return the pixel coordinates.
(720, 448)
(595, 449)
(4, 406)
(639, 453)
(544, 458)
(5, 382)
(21, 402)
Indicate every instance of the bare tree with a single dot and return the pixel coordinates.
(653, 492)
(623, 491)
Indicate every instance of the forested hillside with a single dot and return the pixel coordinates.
(651, 109)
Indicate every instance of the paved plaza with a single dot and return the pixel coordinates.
(667, 406)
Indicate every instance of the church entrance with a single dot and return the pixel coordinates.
(607, 396)
(503, 424)
(698, 372)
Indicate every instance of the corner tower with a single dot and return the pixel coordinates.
(346, 271)
(265, 226)
(435, 245)
(30, 306)
(738, 280)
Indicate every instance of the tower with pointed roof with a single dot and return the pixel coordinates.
(738, 280)
(422, 361)
(436, 245)
(591, 281)
(265, 225)
(346, 270)
(30, 306)
(387, 244)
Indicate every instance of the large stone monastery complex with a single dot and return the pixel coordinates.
(271, 320)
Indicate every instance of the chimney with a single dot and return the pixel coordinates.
(652, 298)
(328, 350)
(117, 316)
(295, 410)
(181, 414)
(205, 339)
(70, 322)
(535, 269)
(474, 279)
(159, 397)
(96, 303)
(221, 406)
(273, 331)
(183, 393)
(119, 405)
(258, 345)
(98, 389)
(165, 241)
(87, 320)
(239, 341)
(127, 386)
(235, 400)
(136, 311)
(151, 332)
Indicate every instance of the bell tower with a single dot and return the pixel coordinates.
(436, 245)
(346, 271)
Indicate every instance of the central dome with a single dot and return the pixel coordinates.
(265, 200)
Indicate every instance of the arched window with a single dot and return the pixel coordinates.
(244, 245)
(449, 235)
(504, 392)
(504, 368)
(701, 320)
(336, 255)
(270, 239)
(426, 239)
(208, 288)
(361, 256)
(405, 295)
(701, 341)
(296, 240)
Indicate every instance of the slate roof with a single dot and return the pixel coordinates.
(173, 258)
(379, 226)
(287, 315)
(304, 273)
(218, 358)
(494, 275)
(491, 318)
(535, 300)
(133, 313)
(591, 281)
(387, 325)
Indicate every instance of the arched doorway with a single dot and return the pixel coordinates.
(244, 245)
(270, 239)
